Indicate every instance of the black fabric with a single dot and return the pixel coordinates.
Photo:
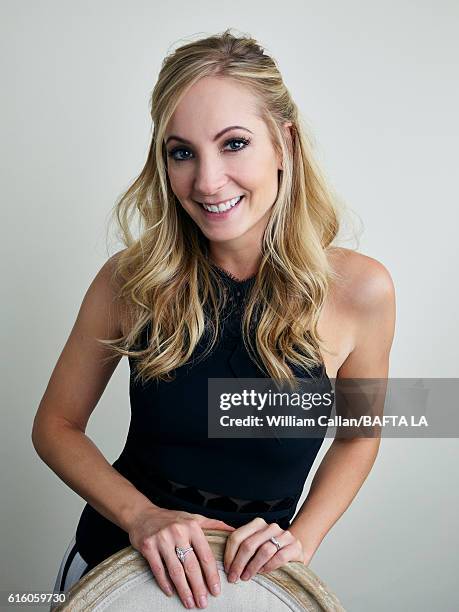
(167, 441)
(68, 562)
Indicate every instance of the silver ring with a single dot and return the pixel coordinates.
(182, 552)
(276, 543)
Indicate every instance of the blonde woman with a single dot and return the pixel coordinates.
(233, 275)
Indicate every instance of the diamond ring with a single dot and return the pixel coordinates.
(182, 552)
(276, 543)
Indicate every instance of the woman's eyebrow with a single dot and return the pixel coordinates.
(231, 127)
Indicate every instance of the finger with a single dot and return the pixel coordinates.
(159, 571)
(283, 556)
(216, 524)
(268, 552)
(206, 559)
(193, 573)
(237, 537)
(177, 573)
(251, 547)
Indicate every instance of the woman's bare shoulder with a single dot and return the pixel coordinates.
(363, 292)
(363, 279)
(366, 299)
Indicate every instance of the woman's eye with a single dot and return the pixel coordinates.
(176, 152)
(179, 150)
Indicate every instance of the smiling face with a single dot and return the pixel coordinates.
(209, 163)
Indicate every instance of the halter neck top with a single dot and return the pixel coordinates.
(169, 457)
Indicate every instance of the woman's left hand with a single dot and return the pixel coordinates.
(249, 549)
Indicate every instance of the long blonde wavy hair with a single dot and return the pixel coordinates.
(164, 276)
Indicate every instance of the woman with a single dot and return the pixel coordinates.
(233, 275)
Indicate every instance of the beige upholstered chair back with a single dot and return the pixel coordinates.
(124, 583)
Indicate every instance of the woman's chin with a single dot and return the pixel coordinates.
(222, 234)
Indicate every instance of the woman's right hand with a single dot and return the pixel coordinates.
(156, 532)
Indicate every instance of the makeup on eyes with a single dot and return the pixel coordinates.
(245, 141)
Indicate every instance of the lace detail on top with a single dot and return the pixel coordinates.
(207, 499)
(232, 277)
(223, 502)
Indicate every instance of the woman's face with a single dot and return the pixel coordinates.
(209, 163)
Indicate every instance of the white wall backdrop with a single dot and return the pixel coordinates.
(377, 84)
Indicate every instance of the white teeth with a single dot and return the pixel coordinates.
(223, 206)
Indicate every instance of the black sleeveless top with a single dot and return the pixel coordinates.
(169, 457)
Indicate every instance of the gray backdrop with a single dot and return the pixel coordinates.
(377, 83)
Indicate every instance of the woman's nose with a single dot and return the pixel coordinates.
(210, 177)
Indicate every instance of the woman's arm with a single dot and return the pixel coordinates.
(340, 475)
(72, 455)
(347, 463)
(74, 389)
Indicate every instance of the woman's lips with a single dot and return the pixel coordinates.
(222, 215)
